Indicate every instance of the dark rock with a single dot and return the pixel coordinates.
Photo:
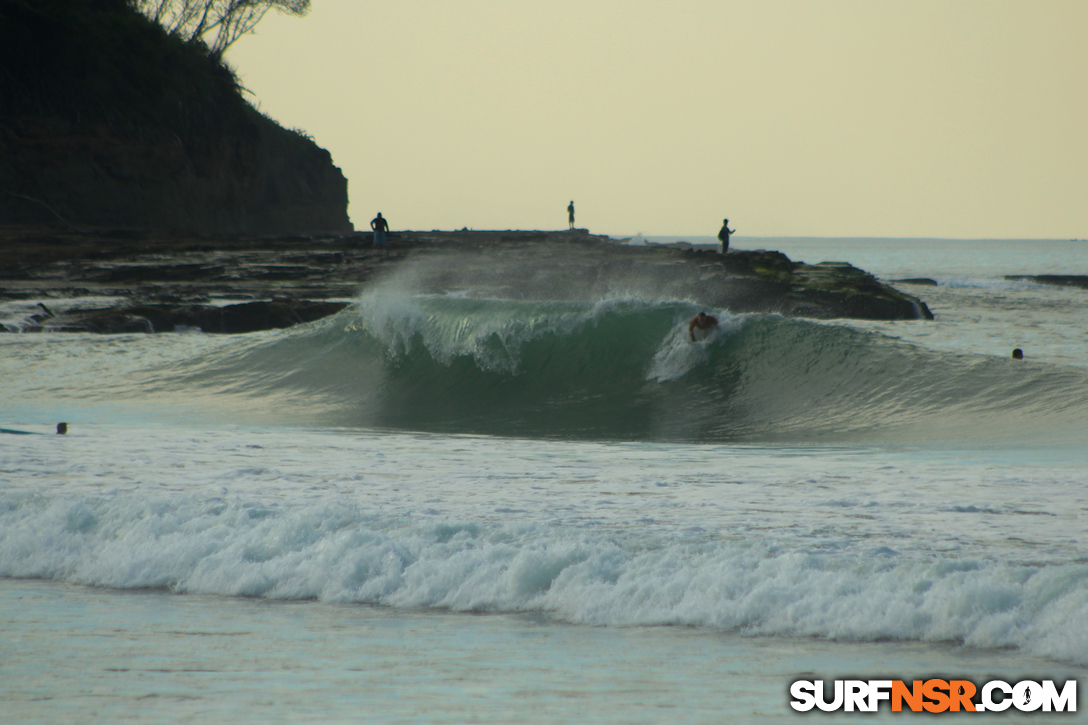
(856, 293)
(264, 315)
(828, 289)
(101, 321)
(148, 318)
(156, 272)
(582, 264)
(1064, 280)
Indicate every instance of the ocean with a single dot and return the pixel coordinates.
(472, 502)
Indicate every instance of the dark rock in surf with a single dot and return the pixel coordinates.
(740, 281)
(1063, 280)
(825, 290)
(243, 317)
(228, 319)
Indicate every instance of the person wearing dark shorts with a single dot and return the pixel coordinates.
(380, 227)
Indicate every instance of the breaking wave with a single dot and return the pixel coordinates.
(338, 552)
(625, 369)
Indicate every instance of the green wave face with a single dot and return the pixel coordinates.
(625, 369)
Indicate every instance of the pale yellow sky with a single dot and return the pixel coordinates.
(915, 118)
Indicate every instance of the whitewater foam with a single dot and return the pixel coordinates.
(337, 551)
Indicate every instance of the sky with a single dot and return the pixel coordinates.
(855, 118)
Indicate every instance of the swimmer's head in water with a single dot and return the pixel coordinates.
(62, 428)
(1017, 354)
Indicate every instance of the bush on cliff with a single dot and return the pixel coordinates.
(222, 22)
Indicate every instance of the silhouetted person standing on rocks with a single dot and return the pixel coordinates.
(570, 214)
(380, 227)
(723, 236)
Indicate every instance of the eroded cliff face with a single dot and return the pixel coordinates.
(256, 179)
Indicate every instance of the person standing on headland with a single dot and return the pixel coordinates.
(380, 227)
(723, 235)
(570, 214)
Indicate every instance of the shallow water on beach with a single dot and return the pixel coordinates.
(455, 508)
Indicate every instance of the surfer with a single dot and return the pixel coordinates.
(704, 322)
(570, 214)
(723, 235)
(380, 227)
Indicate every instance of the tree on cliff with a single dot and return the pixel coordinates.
(226, 20)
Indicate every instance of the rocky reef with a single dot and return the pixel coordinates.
(827, 289)
(58, 280)
(556, 265)
(1059, 280)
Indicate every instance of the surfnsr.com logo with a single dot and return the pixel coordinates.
(935, 696)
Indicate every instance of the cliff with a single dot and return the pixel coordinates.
(260, 179)
(106, 120)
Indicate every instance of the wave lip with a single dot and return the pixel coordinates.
(334, 551)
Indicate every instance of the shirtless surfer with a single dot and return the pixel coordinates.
(701, 321)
